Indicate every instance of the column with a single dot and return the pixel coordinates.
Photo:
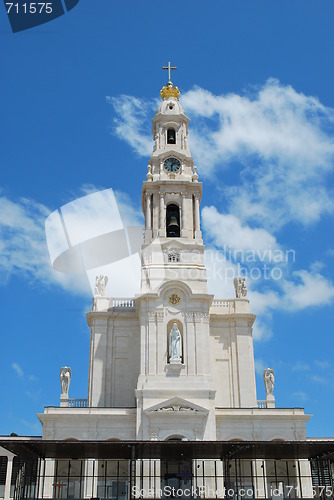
(46, 490)
(148, 216)
(184, 218)
(155, 211)
(99, 334)
(234, 367)
(189, 331)
(162, 229)
(148, 211)
(246, 371)
(8, 478)
(152, 345)
(259, 478)
(305, 478)
(161, 342)
(90, 482)
(199, 343)
(197, 221)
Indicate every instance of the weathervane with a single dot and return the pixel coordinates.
(169, 68)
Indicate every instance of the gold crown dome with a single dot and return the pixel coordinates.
(169, 90)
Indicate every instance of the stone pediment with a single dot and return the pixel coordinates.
(177, 406)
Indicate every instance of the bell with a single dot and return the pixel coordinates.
(173, 228)
(171, 136)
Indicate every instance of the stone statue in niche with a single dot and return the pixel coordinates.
(269, 381)
(175, 345)
(65, 379)
(100, 285)
(240, 287)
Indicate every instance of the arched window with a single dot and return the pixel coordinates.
(173, 221)
(171, 136)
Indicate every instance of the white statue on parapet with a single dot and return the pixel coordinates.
(65, 379)
(240, 287)
(175, 345)
(269, 380)
(101, 285)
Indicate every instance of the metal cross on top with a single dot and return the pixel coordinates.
(169, 68)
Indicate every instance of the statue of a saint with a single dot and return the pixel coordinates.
(269, 381)
(240, 287)
(65, 379)
(100, 285)
(175, 345)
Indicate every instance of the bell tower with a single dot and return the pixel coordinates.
(171, 198)
(175, 382)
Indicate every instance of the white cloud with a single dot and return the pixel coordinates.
(262, 329)
(131, 114)
(300, 366)
(308, 289)
(235, 241)
(23, 244)
(227, 230)
(300, 396)
(265, 301)
(272, 121)
(131, 215)
(279, 139)
(319, 379)
(322, 364)
(260, 365)
(18, 369)
(301, 290)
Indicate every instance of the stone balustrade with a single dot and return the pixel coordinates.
(106, 303)
(261, 403)
(230, 306)
(123, 302)
(223, 305)
(77, 403)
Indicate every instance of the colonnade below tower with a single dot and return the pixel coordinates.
(156, 213)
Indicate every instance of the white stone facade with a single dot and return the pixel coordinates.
(134, 391)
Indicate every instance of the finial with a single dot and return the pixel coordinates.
(169, 90)
(169, 68)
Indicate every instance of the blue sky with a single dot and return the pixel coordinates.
(77, 97)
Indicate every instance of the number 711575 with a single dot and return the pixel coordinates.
(29, 7)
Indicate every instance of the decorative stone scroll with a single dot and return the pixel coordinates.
(176, 408)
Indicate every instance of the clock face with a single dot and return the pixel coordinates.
(172, 164)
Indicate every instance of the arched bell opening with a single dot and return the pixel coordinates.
(171, 136)
(173, 221)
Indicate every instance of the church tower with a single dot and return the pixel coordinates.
(173, 362)
(173, 286)
(171, 199)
